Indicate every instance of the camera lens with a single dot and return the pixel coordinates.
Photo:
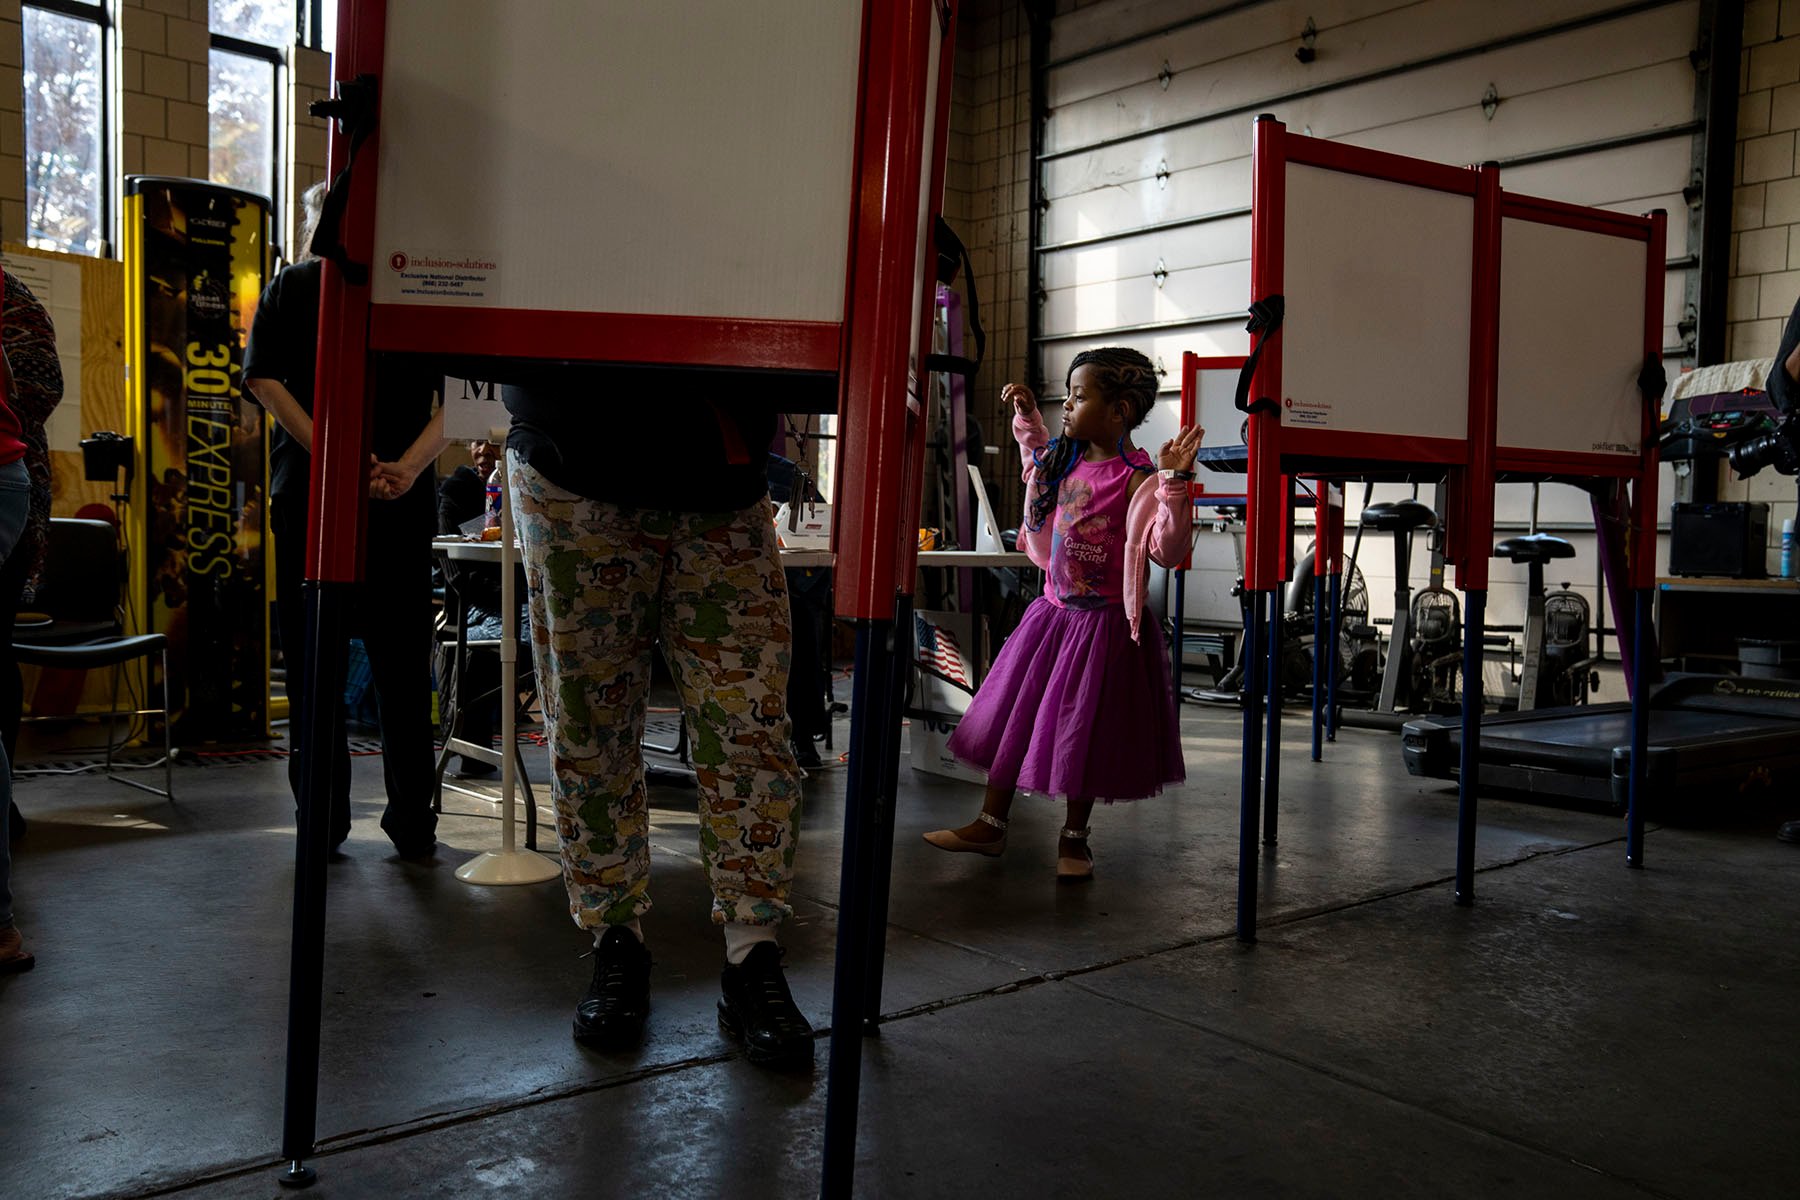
(1747, 458)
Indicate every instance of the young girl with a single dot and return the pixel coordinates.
(1079, 704)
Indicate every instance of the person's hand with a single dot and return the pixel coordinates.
(1177, 454)
(390, 481)
(1020, 397)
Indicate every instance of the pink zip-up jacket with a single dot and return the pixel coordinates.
(1159, 524)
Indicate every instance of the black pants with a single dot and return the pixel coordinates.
(809, 601)
(12, 688)
(392, 614)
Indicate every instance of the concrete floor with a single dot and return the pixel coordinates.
(1585, 1030)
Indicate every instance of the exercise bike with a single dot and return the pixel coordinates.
(1556, 668)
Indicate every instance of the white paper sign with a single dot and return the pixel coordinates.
(473, 412)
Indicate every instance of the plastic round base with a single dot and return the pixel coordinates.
(500, 868)
(297, 1175)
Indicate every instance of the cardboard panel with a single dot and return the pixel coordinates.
(625, 162)
(1571, 339)
(1378, 280)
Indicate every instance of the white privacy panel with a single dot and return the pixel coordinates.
(1147, 167)
(1571, 339)
(1377, 278)
(638, 138)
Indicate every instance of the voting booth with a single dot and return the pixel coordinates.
(1411, 320)
(696, 184)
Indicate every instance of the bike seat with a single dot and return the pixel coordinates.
(1399, 514)
(1534, 548)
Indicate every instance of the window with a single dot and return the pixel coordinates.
(265, 22)
(243, 113)
(245, 82)
(67, 169)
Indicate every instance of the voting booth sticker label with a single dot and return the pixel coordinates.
(1316, 413)
(434, 277)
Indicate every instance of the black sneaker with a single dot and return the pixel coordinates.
(757, 1009)
(611, 1015)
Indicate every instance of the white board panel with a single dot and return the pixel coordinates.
(644, 158)
(1571, 339)
(1378, 280)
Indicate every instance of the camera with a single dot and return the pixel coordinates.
(1779, 448)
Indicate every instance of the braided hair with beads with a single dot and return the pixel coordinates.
(1122, 375)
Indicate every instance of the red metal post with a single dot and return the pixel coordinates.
(1264, 516)
(1472, 542)
(881, 293)
(1644, 499)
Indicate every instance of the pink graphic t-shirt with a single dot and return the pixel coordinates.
(1087, 544)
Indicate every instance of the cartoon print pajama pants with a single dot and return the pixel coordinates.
(607, 583)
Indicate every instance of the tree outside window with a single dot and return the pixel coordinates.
(267, 22)
(250, 39)
(242, 115)
(66, 170)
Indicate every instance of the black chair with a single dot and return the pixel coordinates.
(80, 628)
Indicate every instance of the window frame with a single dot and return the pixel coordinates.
(99, 13)
(277, 59)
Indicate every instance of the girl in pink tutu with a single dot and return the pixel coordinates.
(1078, 705)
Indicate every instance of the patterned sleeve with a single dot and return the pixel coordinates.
(31, 348)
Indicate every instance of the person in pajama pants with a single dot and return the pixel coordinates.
(623, 555)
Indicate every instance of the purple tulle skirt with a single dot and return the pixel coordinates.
(1074, 708)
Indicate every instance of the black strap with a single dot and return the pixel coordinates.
(357, 113)
(952, 254)
(1652, 380)
(1265, 318)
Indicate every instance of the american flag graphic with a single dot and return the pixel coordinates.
(938, 649)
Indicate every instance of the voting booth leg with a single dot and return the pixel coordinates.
(880, 811)
(1331, 658)
(1250, 796)
(325, 606)
(1640, 730)
(1176, 612)
(1272, 749)
(1469, 774)
(871, 687)
(1320, 648)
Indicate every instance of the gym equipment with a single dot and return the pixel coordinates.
(1710, 738)
(1556, 667)
(1403, 519)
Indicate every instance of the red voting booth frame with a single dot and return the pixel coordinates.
(1278, 452)
(887, 293)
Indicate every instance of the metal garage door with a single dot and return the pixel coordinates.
(1145, 170)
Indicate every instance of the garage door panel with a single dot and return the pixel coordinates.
(1088, 29)
(1218, 188)
(1608, 177)
(1161, 346)
(1592, 110)
(1137, 161)
(1129, 258)
(1205, 292)
(1415, 33)
(1619, 79)
(1202, 46)
(1659, 38)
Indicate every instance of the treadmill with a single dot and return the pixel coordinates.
(1710, 736)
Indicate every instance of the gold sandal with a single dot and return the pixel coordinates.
(1074, 870)
(947, 839)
